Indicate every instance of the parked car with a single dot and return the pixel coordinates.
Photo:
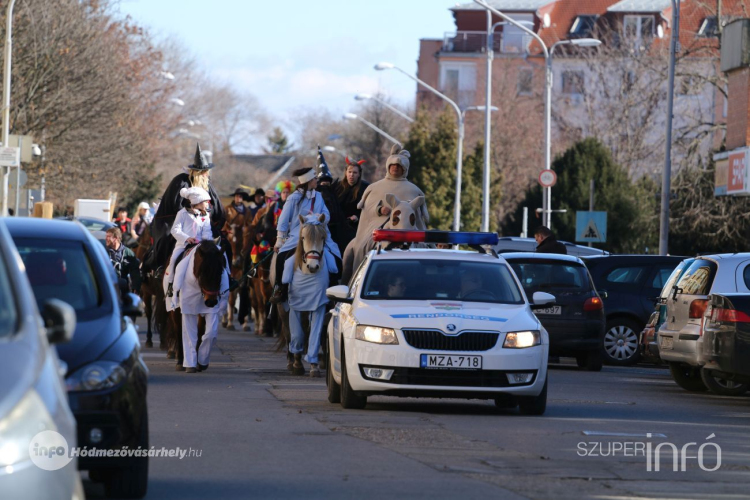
(681, 335)
(629, 285)
(106, 376)
(576, 321)
(32, 391)
(98, 227)
(726, 337)
(517, 244)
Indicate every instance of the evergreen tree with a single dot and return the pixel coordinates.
(278, 142)
(146, 189)
(471, 191)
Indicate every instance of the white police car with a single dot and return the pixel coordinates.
(437, 323)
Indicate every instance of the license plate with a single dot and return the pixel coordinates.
(550, 310)
(451, 362)
(667, 343)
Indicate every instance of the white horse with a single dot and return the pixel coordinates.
(307, 276)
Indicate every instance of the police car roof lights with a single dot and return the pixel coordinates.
(449, 237)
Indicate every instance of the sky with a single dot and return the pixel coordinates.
(301, 53)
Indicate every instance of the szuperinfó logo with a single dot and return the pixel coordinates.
(49, 450)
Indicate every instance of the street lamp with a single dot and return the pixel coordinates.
(177, 101)
(352, 116)
(6, 98)
(666, 176)
(459, 155)
(365, 97)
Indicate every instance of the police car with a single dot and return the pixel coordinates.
(437, 323)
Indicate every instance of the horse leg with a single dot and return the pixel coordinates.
(175, 340)
(149, 309)
(245, 308)
(230, 311)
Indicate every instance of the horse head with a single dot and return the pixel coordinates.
(312, 238)
(208, 268)
(403, 213)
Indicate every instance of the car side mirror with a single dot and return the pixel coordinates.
(59, 321)
(339, 293)
(132, 305)
(540, 300)
(603, 294)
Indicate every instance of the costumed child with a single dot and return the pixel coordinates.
(192, 225)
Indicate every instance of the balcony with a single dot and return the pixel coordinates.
(476, 42)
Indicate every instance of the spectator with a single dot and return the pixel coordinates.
(139, 223)
(123, 259)
(125, 226)
(547, 243)
(258, 202)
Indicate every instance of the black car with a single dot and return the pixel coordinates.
(106, 377)
(575, 323)
(629, 285)
(726, 342)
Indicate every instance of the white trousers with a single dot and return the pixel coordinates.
(190, 339)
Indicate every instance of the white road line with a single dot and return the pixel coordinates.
(622, 434)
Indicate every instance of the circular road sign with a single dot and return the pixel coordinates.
(547, 178)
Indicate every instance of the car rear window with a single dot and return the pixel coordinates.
(61, 270)
(746, 276)
(662, 276)
(8, 309)
(431, 279)
(677, 273)
(538, 274)
(698, 278)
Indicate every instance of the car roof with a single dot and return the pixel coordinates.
(437, 254)
(31, 227)
(724, 256)
(632, 257)
(541, 256)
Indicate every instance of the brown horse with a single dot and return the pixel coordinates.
(150, 284)
(237, 239)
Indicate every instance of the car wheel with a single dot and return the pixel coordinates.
(621, 342)
(687, 377)
(534, 405)
(130, 482)
(334, 389)
(720, 386)
(349, 398)
(591, 361)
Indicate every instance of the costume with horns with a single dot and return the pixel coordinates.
(373, 199)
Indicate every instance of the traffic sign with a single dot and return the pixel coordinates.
(9, 157)
(547, 178)
(591, 227)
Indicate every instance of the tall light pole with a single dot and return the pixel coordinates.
(365, 97)
(666, 177)
(6, 98)
(460, 153)
(352, 116)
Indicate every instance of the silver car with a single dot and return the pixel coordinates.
(681, 335)
(32, 392)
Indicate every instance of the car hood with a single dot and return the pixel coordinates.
(446, 316)
(90, 340)
(21, 361)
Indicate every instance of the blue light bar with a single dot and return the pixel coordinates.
(449, 237)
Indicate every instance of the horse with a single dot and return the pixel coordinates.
(150, 287)
(238, 267)
(307, 276)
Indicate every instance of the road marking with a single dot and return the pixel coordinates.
(622, 434)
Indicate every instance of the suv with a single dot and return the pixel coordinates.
(576, 321)
(681, 335)
(629, 285)
(517, 244)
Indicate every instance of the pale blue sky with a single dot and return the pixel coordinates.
(301, 53)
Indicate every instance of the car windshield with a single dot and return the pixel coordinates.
(61, 270)
(431, 279)
(542, 274)
(8, 310)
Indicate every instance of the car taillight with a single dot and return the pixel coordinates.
(729, 316)
(593, 304)
(698, 308)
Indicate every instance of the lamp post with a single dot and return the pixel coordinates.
(352, 116)
(459, 155)
(6, 98)
(365, 97)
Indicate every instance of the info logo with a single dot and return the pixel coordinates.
(49, 450)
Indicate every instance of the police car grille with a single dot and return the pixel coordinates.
(437, 341)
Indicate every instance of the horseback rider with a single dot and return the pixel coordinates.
(304, 201)
(325, 187)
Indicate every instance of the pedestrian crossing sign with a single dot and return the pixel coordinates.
(591, 227)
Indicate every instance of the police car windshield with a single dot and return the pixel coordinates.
(431, 279)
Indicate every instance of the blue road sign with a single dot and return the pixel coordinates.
(591, 227)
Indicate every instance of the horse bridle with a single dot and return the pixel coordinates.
(312, 255)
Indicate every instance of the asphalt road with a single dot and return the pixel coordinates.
(251, 430)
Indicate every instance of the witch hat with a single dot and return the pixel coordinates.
(200, 162)
(324, 173)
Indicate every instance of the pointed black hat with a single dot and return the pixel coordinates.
(324, 173)
(200, 162)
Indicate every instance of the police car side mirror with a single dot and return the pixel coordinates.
(339, 293)
(540, 300)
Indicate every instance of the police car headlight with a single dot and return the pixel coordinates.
(521, 340)
(376, 334)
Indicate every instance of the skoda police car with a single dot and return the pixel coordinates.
(437, 323)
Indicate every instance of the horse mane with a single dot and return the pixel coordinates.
(315, 231)
(208, 265)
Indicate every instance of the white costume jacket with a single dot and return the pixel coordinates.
(190, 295)
(189, 224)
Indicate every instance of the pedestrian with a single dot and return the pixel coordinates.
(547, 243)
(192, 225)
(123, 260)
(140, 221)
(349, 191)
(258, 201)
(124, 223)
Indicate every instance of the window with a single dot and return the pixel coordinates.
(626, 275)
(745, 276)
(662, 276)
(639, 30)
(540, 275)
(709, 28)
(431, 279)
(8, 311)
(525, 81)
(458, 80)
(676, 274)
(572, 82)
(583, 27)
(698, 278)
(515, 40)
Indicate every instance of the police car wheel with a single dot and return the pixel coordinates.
(334, 389)
(349, 398)
(534, 405)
